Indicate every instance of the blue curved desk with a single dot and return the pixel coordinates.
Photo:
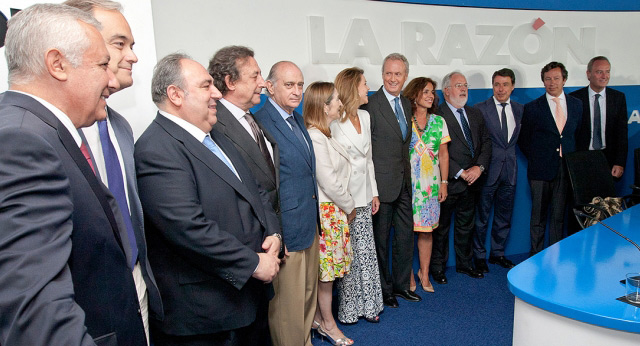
(579, 278)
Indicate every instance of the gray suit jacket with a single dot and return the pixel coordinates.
(124, 135)
(229, 126)
(390, 152)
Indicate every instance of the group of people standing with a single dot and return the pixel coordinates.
(225, 227)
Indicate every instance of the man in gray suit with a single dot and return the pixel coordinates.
(237, 75)
(390, 135)
(109, 144)
(66, 274)
(502, 117)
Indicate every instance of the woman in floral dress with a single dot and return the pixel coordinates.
(337, 208)
(429, 161)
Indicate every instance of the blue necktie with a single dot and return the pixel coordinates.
(466, 130)
(299, 135)
(505, 129)
(215, 149)
(597, 126)
(116, 185)
(400, 116)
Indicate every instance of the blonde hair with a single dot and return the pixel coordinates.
(317, 95)
(347, 82)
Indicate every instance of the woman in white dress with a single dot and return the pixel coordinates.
(359, 291)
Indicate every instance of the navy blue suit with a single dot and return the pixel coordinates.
(540, 142)
(501, 181)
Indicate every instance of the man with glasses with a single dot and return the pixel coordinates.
(469, 154)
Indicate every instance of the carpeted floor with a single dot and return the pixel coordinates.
(465, 311)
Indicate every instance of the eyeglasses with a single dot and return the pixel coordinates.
(460, 85)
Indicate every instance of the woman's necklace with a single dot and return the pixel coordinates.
(415, 121)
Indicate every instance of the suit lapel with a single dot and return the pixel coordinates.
(387, 112)
(232, 128)
(546, 115)
(72, 148)
(202, 153)
(517, 116)
(493, 120)
(452, 123)
(350, 133)
(287, 132)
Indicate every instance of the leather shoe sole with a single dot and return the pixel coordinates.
(502, 261)
(439, 277)
(390, 301)
(470, 272)
(407, 295)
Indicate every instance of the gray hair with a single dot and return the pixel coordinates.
(90, 5)
(596, 58)
(397, 56)
(39, 28)
(273, 73)
(446, 81)
(225, 63)
(168, 71)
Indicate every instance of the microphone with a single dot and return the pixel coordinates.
(582, 214)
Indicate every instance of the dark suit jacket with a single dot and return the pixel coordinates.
(459, 153)
(229, 126)
(124, 135)
(65, 276)
(298, 189)
(503, 153)
(204, 229)
(540, 140)
(390, 152)
(615, 133)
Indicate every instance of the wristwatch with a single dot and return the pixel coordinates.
(281, 252)
(481, 168)
(444, 182)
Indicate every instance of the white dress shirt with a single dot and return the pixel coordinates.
(552, 105)
(603, 115)
(511, 121)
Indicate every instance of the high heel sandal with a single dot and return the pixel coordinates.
(426, 288)
(412, 288)
(340, 342)
(314, 328)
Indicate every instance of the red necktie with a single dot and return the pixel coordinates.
(87, 156)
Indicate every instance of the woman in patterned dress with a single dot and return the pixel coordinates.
(337, 208)
(360, 292)
(429, 161)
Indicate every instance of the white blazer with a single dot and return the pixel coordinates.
(362, 184)
(332, 171)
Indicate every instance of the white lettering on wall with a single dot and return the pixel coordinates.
(523, 43)
(635, 117)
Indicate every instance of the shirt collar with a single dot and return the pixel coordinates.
(187, 126)
(498, 102)
(64, 119)
(592, 93)
(390, 97)
(235, 110)
(283, 114)
(550, 98)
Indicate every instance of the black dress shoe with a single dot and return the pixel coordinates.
(501, 261)
(481, 266)
(470, 272)
(390, 301)
(407, 295)
(439, 277)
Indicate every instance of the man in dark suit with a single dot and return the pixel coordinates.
(66, 277)
(292, 309)
(502, 117)
(604, 116)
(547, 133)
(390, 135)
(469, 155)
(211, 234)
(237, 75)
(109, 144)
